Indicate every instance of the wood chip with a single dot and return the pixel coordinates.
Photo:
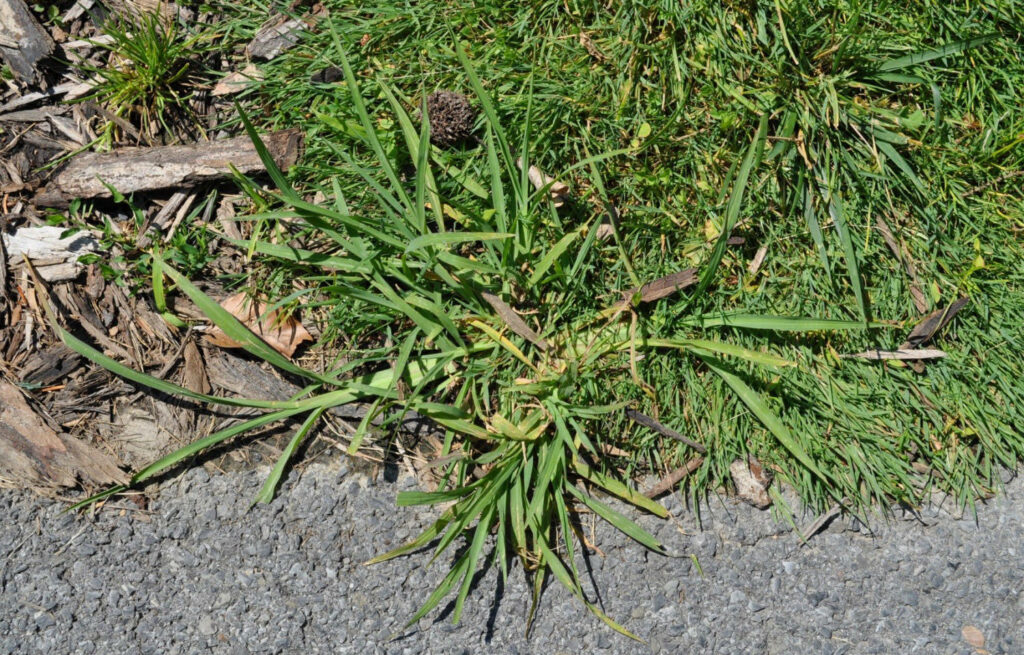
(33, 455)
(23, 41)
(55, 258)
(274, 37)
(145, 169)
(237, 81)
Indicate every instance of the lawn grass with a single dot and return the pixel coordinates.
(807, 128)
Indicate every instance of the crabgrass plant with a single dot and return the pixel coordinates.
(519, 404)
(473, 301)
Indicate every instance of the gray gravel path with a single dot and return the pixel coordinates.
(201, 575)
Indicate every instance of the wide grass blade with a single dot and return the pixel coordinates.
(452, 238)
(768, 418)
(924, 56)
(775, 323)
(838, 214)
(618, 520)
(234, 329)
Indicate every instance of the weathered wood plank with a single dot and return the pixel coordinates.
(23, 41)
(147, 169)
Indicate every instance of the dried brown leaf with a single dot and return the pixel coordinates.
(973, 636)
(752, 480)
(283, 335)
(932, 324)
(665, 286)
(658, 427)
(194, 375)
(557, 190)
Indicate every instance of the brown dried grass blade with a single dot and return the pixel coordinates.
(513, 320)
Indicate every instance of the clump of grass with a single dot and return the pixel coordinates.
(798, 126)
(149, 76)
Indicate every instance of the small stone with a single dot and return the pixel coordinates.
(206, 626)
(45, 620)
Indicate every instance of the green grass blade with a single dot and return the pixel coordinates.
(552, 255)
(452, 238)
(234, 329)
(935, 53)
(200, 445)
(838, 214)
(617, 488)
(811, 218)
(732, 211)
(902, 164)
(768, 418)
(269, 488)
(483, 528)
(116, 367)
(618, 520)
(268, 161)
(704, 346)
(775, 323)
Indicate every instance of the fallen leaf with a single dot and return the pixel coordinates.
(284, 336)
(931, 324)
(605, 231)
(752, 480)
(657, 426)
(902, 354)
(973, 636)
(557, 190)
(194, 375)
(666, 286)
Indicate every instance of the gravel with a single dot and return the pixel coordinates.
(201, 574)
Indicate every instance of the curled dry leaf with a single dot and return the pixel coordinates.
(752, 480)
(284, 336)
(557, 190)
